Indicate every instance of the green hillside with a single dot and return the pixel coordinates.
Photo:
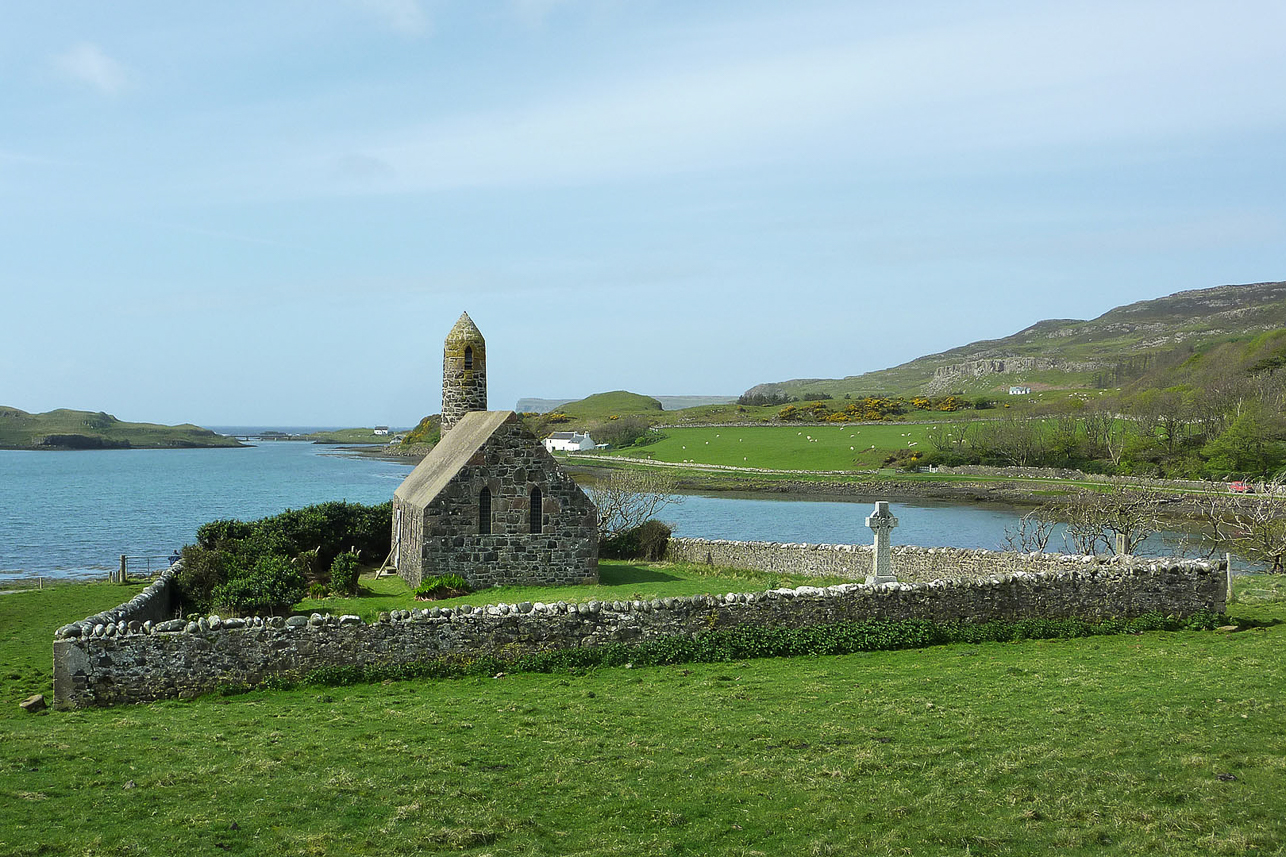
(616, 403)
(65, 429)
(1150, 339)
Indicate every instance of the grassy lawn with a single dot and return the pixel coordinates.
(813, 447)
(350, 435)
(1166, 743)
(618, 581)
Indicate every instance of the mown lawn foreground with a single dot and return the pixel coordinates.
(1165, 743)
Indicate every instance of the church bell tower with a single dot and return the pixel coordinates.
(464, 372)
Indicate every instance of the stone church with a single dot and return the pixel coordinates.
(489, 502)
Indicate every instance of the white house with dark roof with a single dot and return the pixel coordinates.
(569, 441)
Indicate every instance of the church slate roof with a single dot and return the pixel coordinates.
(453, 452)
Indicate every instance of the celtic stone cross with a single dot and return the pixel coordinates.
(882, 522)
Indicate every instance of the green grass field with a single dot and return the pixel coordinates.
(350, 435)
(838, 446)
(618, 581)
(1165, 743)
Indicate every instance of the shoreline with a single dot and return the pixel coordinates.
(1017, 491)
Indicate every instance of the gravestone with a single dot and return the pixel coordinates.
(882, 522)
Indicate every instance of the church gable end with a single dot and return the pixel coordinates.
(480, 526)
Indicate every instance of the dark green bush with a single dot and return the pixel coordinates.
(211, 534)
(202, 570)
(343, 574)
(647, 541)
(653, 537)
(217, 570)
(272, 585)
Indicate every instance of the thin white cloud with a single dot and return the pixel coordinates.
(1055, 78)
(405, 16)
(86, 63)
(534, 13)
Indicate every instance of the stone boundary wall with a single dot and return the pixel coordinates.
(1081, 476)
(156, 603)
(910, 564)
(148, 660)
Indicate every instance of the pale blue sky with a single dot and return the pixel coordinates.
(272, 212)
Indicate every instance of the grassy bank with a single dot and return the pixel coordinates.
(1165, 743)
(785, 447)
(618, 581)
(66, 429)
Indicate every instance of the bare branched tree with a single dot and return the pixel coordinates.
(1117, 520)
(627, 498)
(1254, 525)
(1031, 533)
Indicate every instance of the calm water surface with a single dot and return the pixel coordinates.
(72, 514)
(926, 523)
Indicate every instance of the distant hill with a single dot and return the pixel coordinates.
(668, 403)
(616, 403)
(1146, 341)
(540, 406)
(65, 429)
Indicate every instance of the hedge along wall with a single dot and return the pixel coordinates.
(97, 663)
(910, 564)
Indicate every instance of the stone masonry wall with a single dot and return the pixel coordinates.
(910, 564)
(512, 461)
(177, 658)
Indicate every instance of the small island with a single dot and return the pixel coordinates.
(66, 429)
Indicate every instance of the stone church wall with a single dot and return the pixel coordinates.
(512, 461)
(107, 661)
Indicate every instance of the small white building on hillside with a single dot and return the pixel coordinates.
(1020, 390)
(569, 441)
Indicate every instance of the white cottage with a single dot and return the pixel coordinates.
(569, 441)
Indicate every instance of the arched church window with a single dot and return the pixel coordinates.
(468, 357)
(536, 511)
(484, 512)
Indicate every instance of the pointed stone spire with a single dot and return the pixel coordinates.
(464, 372)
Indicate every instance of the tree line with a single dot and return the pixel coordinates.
(1178, 433)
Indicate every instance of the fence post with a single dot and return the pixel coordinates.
(122, 577)
(1232, 595)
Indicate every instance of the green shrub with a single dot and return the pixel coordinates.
(343, 574)
(217, 570)
(272, 585)
(647, 541)
(442, 586)
(215, 532)
(202, 570)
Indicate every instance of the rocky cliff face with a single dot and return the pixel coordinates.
(944, 377)
(1078, 346)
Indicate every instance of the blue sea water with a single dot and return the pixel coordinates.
(72, 514)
